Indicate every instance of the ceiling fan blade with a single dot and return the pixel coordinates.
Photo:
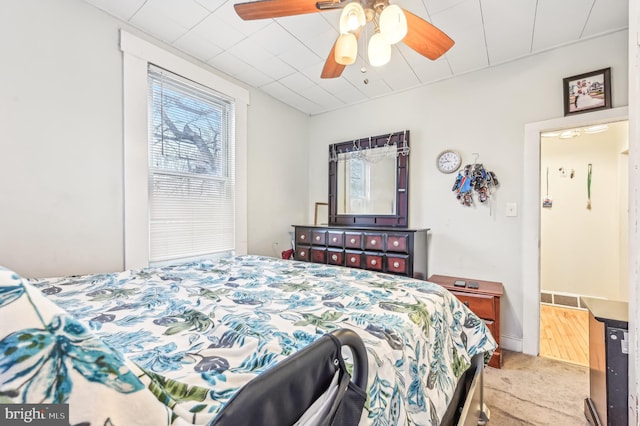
(424, 38)
(274, 8)
(331, 68)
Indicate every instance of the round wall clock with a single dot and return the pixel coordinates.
(448, 161)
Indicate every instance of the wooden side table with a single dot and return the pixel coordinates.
(483, 301)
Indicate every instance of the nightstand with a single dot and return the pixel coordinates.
(483, 301)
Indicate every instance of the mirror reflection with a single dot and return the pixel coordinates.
(367, 185)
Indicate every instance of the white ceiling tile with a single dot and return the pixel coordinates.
(198, 46)
(293, 49)
(228, 63)
(435, 6)
(552, 26)
(297, 82)
(300, 57)
(275, 68)
(218, 32)
(279, 91)
(185, 13)
(275, 39)
(607, 15)
(305, 27)
(123, 9)
(251, 52)
(463, 23)
(320, 96)
(227, 14)
(253, 77)
(374, 89)
(158, 25)
(212, 5)
(508, 38)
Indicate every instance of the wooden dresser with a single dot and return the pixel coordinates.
(392, 250)
(483, 301)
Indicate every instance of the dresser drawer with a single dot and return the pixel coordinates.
(398, 243)
(492, 328)
(335, 257)
(318, 238)
(479, 304)
(398, 264)
(335, 239)
(318, 255)
(353, 259)
(373, 261)
(303, 236)
(302, 253)
(373, 241)
(353, 240)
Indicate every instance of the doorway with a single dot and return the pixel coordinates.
(583, 231)
(531, 296)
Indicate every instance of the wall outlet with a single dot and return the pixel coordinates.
(512, 210)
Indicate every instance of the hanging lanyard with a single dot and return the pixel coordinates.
(589, 167)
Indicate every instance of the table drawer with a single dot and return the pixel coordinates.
(479, 304)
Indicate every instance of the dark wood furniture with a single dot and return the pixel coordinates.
(483, 301)
(608, 362)
(391, 250)
(394, 144)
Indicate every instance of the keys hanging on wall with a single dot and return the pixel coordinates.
(474, 179)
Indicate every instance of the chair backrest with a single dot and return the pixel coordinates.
(282, 394)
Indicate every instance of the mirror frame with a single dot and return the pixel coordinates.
(398, 220)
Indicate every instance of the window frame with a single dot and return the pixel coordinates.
(137, 55)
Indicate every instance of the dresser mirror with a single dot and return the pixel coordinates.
(368, 181)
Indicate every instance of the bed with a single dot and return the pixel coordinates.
(172, 344)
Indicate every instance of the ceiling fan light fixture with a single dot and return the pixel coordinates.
(379, 50)
(346, 49)
(393, 24)
(352, 17)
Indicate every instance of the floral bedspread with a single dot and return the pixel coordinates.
(170, 345)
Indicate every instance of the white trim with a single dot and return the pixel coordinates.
(511, 343)
(531, 215)
(137, 54)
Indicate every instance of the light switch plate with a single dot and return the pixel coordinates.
(512, 210)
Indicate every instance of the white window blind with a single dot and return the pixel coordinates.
(191, 169)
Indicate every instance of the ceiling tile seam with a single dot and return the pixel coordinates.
(586, 21)
(484, 33)
(533, 29)
(301, 42)
(138, 10)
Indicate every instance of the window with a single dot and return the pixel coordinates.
(191, 169)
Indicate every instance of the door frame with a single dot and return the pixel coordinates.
(531, 214)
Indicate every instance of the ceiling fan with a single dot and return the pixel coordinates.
(391, 24)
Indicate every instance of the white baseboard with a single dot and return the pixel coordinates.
(511, 343)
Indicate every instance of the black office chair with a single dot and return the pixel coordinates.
(310, 387)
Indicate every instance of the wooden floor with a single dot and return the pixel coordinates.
(564, 334)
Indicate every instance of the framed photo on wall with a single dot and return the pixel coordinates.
(587, 92)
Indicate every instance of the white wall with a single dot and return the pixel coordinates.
(482, 112)
(581, 249)
(61, 167)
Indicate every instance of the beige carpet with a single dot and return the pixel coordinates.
(538, 391)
